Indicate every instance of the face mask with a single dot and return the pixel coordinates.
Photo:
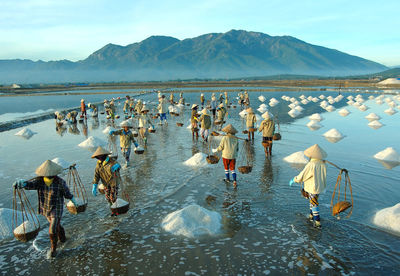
(48, 181)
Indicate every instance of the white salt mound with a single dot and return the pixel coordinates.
(25, 132)
(59, 161)
(296, 158)
(108, 129)
(344, 112)
(333, 133)
(375, 124)
(330, 108)
(388, 154)
(243, 113)
(390, 81)
(78, 201)
(197, 160)
(316, 117)
(192, 221)
(119, 203)
(389, 218)
(139, 148)
(390, 111)
(25, 227)
(314, 124)
(363, 107)
(293, 113)
(299, 108)
(261, 98)
(92, 142)
(372, 117)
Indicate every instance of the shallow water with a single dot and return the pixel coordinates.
(265, 228)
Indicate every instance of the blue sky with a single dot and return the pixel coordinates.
(73, 29)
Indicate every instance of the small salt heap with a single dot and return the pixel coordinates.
(314, 125)
(363, 107)
(322, 97)
(304, 101)
(64, 164)
(92, 142)
(243, 113)
(261, 98)
(389, 218)
(192, 221)
(79, 202)
(344, 112)
(330, 108)
(390, 111)
(296, 158)
(299, 108)
(315, 99)
(375, 124)
(119, 203)
(262, 108)
(372, 117)
(316, 117)
(197, 160)
(25, 133)
(108, 129)
(389, 154)
(333, 133)
(293, 113)
(25, 228)
(273, 102)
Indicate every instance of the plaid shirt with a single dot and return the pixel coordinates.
(50, 198)
(103, 172)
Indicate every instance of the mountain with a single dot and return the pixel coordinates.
(216, 55)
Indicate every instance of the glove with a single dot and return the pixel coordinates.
(94, 190)
(291, 182)
(214, 150)
(19, 184)
(111, 132)
(136, 145)
(115, 167)
(74, 201)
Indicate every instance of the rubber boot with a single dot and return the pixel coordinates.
(61, 234)
(53, 246)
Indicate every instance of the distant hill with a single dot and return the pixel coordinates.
(216, 55)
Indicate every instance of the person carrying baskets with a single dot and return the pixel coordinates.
(144, 122)
(267, 127)
(126, 139)
(205, 123)
(229, 146)
(107, 170)
(163, 109)
(194, 118)
(314, 177)
(51, 191)
(250, 121)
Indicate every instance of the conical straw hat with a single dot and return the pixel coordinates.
(204, 111)
(194, 106)
(100, 151)
(48, 168)
(125, 124)
(266, 115)
(229, 129)
(315, 152)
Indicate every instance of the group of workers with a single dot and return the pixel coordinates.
(52, 189)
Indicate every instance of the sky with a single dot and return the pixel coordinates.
(73, 29)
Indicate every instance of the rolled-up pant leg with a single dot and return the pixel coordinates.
(314, 206)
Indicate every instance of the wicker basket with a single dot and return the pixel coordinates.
(234, 106)
(152, 130)
(277, 136)
(120, 210)
(212, 159)
(27, 236)
(179, 124)
(75, 210)
(245, 169)
(245, 131)
(172, 113)
(102, 112)
(139, 151)
(339, 207)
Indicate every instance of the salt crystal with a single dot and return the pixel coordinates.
(197, 160)
(388, 154)
(389, 218)
(296, 158)
(344, 112)
(119, 203)
(192, 221)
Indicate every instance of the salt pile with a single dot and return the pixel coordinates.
(261, 98)
(293, 113)
(197, 160)
(322, 97)
(323, 104)
(243, 113)
(25, 133)
(59, 161)
(372, 117)
(389, 218)
(390, 81)
(108, 129)
(296, 158)
(333, 133)
(315, 99)
(92, 142)
(262, 108)
(388, 154)
(363, 107)
(390, 111)
(292, 106)
(316, 117)
(299, 108)
(314, 124)
(304, 101)
(119, 203)
(25, 227)
(375, 124)
(344, 112)
(192, 221)
(330, 108)
(371, 97)
(139, 148)
(392, 104)
(273, 102)
(79, 202)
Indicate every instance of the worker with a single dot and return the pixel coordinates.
(125, 139)
(267, 127)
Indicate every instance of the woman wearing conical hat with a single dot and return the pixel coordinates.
(221, 112)
(229, 146)
(314, 177)
(144, 123)
(267, 127)
(202, 99)
(181, 99)
(163, 109)
(205, 124)
(213, 105)
(51, 191)
(250, 121)
(107, 170)
(126, 139)
(194, 120)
